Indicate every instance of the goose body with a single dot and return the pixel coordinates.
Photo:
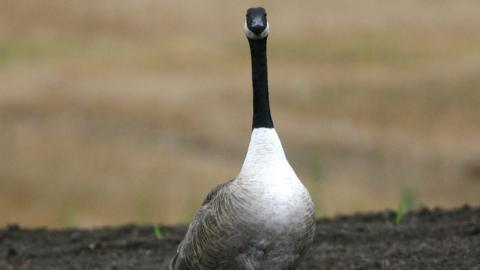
(263, 218)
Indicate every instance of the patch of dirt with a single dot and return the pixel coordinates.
(425, 239)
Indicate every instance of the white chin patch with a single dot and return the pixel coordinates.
(252, 35)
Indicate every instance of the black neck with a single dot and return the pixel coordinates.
(261, 105)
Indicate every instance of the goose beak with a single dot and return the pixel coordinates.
(257, 25)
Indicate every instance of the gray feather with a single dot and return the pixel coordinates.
(223, 235)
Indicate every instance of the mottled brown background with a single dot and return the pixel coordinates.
(119, 111)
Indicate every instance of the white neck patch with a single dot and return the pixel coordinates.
(252, 35)
(276, 195)
(265, 150)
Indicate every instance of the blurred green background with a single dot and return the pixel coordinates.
(117, 111)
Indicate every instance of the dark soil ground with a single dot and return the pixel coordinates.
(425, 239)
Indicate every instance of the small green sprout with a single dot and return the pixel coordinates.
(408, 202)
(158, 232)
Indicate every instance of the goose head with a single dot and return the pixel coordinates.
(256, 24)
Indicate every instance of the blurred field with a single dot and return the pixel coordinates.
(130, 111)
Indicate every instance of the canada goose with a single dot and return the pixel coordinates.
(263, 218)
